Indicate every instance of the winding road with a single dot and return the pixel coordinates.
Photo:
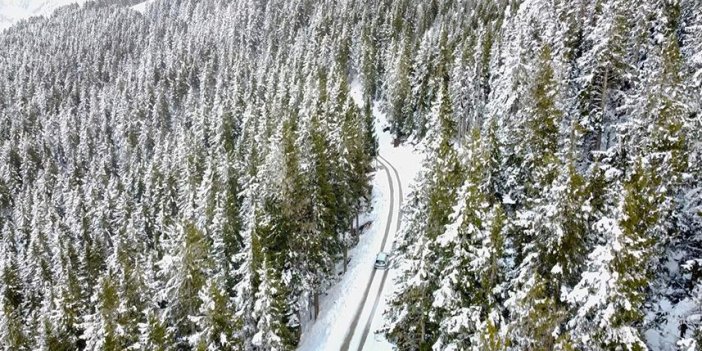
(357, 334)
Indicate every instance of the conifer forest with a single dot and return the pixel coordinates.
(190, 176)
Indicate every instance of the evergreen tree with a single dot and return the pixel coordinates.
(155, 334)
(186, 279)
(272, 333)
(398, 90)
(619, 272)
(14, 335)
(103, 331)
(219, 323)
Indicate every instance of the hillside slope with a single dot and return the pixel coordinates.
(12, 11)
(188, 177)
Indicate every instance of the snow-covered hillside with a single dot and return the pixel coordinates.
(12, 11)
(196, 178)
(141, 7)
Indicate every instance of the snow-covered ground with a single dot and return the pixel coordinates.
(339, 307)
(141, 7)
(11, 11)
(408, 161)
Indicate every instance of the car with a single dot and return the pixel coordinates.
(381, 260)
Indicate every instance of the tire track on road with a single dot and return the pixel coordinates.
(366, 329)
(357, 317)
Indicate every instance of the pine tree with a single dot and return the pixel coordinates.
(541, 140)
(398, 90)
(446, 169)
(368, 61)
(155, 334)
(612, 293)
(668, 107)
(70, 299)
(219, 323)
(415, 330)
(549, 237)
(370, 137)
(187, 278)
(418, 329)
(272, 333)
(539, 149)
(469, 294)
(102, 332)
(606, 66)
(12, 330)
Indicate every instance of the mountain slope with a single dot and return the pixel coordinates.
(12, 11)
(188, 178)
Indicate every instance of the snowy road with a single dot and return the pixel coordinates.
(357, 335)
(352, 310)
(340, 305)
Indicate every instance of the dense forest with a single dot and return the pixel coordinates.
(560, 204)
(184, 179)
(188, 178)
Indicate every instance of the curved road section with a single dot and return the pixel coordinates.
(357, 334)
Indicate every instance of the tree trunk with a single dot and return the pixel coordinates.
(358, 210)
(312, 316)
(603, 107)
(346, 246)
(421, 332)
(346, 257)
(316, 305)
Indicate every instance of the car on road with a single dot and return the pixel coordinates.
(381, 260)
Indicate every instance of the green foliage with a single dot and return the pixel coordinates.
(490, 338)
(371, 139)
(368, 69)
(108, 303)
(399, 92)
(15, 337)
(544, 123)
(641, 215)
(570, 249)
(273, 333)
(417, 331)
(543, 319)
(193, 271)
(220, 322)
(448, 172)
(493, 275)
(157, 336)
(596, 187)
(668, 114)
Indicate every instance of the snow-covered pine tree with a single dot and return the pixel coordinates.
(12, 324)
(610, 296)
(418, 329)
(272, 333)
(468, 298)
(185, 268)
(398, 88)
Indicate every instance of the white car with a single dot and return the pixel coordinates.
(381, 260)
